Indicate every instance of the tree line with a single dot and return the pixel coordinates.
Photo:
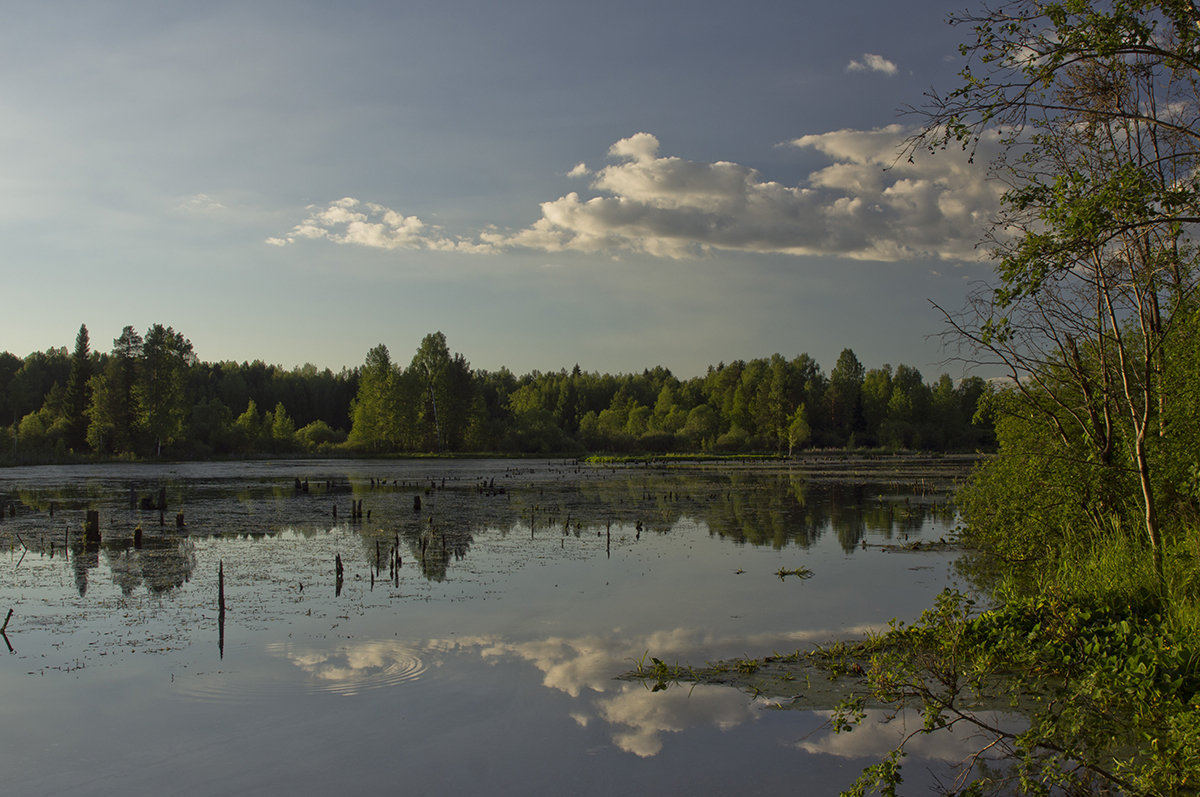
(151, 396)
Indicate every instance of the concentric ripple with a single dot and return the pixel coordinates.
(345, 670)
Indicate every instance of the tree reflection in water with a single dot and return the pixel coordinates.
(768, 505)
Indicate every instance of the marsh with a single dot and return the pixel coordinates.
(474, 642)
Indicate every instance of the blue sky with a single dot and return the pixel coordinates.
(619, 185)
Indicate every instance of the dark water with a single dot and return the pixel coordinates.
(485, 662)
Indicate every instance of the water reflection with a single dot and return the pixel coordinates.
(161, 564)
(775, 508)
(349, 669)
(882, 730)
(504, 592)
(637, 719)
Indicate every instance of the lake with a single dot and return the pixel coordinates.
(470, 644)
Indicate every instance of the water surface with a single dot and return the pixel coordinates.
(486, 660)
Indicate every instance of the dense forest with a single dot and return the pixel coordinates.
(151, 396)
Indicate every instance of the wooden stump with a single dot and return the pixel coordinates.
(91, 527)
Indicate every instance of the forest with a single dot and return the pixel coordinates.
(150, 396)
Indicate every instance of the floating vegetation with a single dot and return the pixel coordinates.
(799, 572)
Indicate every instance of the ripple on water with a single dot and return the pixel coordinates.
(346, 669)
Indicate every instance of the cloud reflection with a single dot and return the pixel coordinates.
(636, 719)
(350, 668)
(639, 717)
(882, 730)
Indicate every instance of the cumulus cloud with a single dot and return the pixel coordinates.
(867, 204)
(872, 63)
(350, 221)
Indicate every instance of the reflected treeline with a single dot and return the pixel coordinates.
(771, 506)
(431, 523)
(160, 563)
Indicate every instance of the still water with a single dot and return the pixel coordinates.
(471, 644)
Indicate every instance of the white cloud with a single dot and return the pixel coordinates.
(579, 170)
(872, 63)
(199, 203)
(350, 221)
(867, 204)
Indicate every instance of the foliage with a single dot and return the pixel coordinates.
(151, 396)
(1084, 526)
(1108, 696)
(1094, 104)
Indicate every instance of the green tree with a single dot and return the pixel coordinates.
(162, 398)
(248, 428)
(1096, 104)
(375, 409)
(876, 393)
(798, 431)
(78, 396)
(210, 427)
(844, 396)
(9, 365)
(283, 429)
(33, 381)
(702, 426)
(431, 364)
(113, 419)
(318, 436)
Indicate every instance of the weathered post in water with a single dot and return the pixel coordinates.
(4, 631)
(221, 608)
(91, 527)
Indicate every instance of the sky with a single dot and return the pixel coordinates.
(618, 185)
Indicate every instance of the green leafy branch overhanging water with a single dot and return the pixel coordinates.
(1087, 524)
